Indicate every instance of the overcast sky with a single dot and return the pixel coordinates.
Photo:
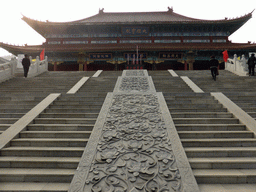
(15, 31)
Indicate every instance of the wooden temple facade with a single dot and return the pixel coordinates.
(135, 40)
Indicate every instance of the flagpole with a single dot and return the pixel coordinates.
(137, 51)
(127, 61)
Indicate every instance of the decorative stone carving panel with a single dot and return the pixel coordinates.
(134, 73)
(129, 84)
(134, 146)
(134, 152)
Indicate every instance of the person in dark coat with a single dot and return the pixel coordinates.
(214, 63)
(26, 64)
(251, 64)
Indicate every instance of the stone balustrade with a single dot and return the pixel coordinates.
(9, 69)
(38, 67)
(237, 66)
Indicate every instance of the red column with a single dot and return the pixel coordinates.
(85, 66)
(55, 66)
(185, 66)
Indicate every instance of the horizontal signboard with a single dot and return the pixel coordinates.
(135, 31)
(170, 55)
(100, 56)
(134, 55)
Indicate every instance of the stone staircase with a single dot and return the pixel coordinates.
(19, 95)
(46, 155)
(220, 149)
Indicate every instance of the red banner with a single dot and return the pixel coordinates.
(225, 55)
(42, 55)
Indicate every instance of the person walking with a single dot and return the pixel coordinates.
(214, 63)
(26, 64)
(251, 64)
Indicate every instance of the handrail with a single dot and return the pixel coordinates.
(9, 69)
(237, 66)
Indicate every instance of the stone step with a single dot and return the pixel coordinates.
(16, 110)
(82, 98)
(3, 127)
(60, 127)
(223, 176)
(252, 114)
(44, 142)
(223, 163)
(202, 115)
(191, 102)
(69, 110)
(36, 175)
(42, 151)
(247, 105)
(210, 127)
(248, 142)
(64, 120)
(185, 95)
(244, 100)
(250, 109)
(91, 106)
(68, 115)
(215, 134)
(33, 186)
(11, 115)
(185, 109)
(196, 106)
(22, 101)
(220, 151)
(81, 103)
(227, 187)
(205, 121)
(8, 120)
(188, 98)
(55, 134)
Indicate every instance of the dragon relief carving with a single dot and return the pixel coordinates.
(134, 152)
(134, 84)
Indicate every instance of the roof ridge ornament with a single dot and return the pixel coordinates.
(170, 10)
(101, 11)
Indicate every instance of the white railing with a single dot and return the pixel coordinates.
(7, 70)
(237, 66)
(38, 67)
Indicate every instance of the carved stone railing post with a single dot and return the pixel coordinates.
(237, 66)
(134, 145)
(7, 70)
(38, 67)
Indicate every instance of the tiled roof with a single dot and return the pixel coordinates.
(35, 50)
(130, 17)
(169, 17)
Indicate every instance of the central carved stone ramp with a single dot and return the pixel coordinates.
(134, 145)
(46, 155)
(221, 151)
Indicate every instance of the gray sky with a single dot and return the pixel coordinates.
(16, 31)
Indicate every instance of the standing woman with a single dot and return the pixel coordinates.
(26, 64)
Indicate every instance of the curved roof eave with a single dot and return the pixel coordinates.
(87, 21)
(44, 28)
